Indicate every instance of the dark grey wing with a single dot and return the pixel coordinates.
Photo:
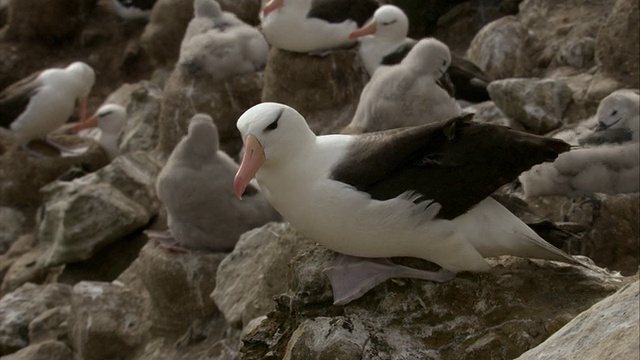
(337, 11)
(15, 98)
(608, 136)
(398, 54)
(445, 83)
(468, 79)
(457, 163)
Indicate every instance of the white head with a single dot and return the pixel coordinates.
(389, 24)
(206, 8)
(429, 56)
(272, 133)
(109, 118)
(85, 76)
(620, 110)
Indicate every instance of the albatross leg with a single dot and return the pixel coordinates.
(165, 239)
(351, 277)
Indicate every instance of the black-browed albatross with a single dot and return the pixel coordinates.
(384, 41)
(419, 191)
(39, 104)
(307, 26)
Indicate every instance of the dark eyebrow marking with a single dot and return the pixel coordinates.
(105, 113)
(274, 124)
(390, 22)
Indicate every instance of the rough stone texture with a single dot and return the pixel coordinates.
(499, 314)
(44, 25)
(142, 130)
(260, 258)
(20, 307)
(21, 176)
(88, 213)
(608, 330)
(25, 269)
(48, 350)
(500, 49)
(162, 35)
(20, 247)
(106, 321)
(184, 96)
(537, 104)
(617, 50)
(50, 325)
(613, 238)
(488, 112)
(325, 90)
(192, 276)
(10, 227)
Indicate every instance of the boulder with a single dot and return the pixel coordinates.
(185, 95)
(11, 227)
(498, 314)
(45, 25)
(588, 336)
(325, 90)
(260, 259)
(537, 104)
(106, 321)
(24, 269)
(19, 308)
(178, 285)
(488, 112)
(73, 230)
(48, 350)
(613, 222)
(51, 325)
(23, 245)
(617, 52)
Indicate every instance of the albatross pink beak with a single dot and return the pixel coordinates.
(252, 160)
(368, 29)
(271, 6)
(88, 123)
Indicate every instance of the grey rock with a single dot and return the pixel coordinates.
(607, 330)
(617, 51)
(24, 269)
(48, 350)
(23, 245)
(500, 50)
(488, 112)
(537, 104)
(325, 90)
(186, 95)
(50, 325)
(613, 221)
(22, 306)
(260, 259)
(88, 213)
(498, 314)
(141, 132)
(178, 285)
(106, 321)
(10, 227)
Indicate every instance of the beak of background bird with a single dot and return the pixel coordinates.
(252, 160)
(368, 29)
(271, 6)
(88, 123)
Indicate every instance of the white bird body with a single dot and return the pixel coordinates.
(297, 181)
(291, 27)
(54, 93)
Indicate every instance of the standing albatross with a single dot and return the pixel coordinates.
(39, 104)
(420, 191)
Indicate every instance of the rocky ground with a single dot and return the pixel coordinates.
(80, 280)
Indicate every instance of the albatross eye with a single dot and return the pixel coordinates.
(274, 124)
(389, 22)
(614, 113)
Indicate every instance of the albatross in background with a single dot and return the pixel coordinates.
(384, 41)
(39, 104)
(313, 25)
(108, 121)
(407, 94)
(419, 191)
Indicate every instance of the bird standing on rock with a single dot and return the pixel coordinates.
(109, 120)
(39, 104)
(420, 191)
